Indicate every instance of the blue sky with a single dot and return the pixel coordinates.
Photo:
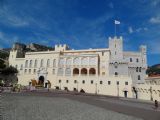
(82, 24)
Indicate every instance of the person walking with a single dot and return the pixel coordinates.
(156, 104)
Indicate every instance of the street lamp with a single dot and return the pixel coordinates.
(77, 85)
(60, 85)
(96, 88)
(151, 93)
(117, 88)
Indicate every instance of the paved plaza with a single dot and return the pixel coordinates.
(55, 106)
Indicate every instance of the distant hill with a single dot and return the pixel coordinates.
(154, 70)
(4, 53)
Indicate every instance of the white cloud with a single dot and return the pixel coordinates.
(130, 30)
(7, 40)
(9, 18)
(145, 29)
(141, 29)
(155, 2)
(155, 20)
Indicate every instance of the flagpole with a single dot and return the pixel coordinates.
(116, 23)
(114, 29)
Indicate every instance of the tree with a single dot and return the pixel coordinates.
(9, 70)
(2, 64)
(153, 70)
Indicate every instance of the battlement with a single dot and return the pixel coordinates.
(61, 47)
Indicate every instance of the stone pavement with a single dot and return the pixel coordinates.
(30, 107)
(62, 106)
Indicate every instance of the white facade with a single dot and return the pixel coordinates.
(108, 71)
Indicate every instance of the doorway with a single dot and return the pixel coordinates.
(125, 94)
(41, 80)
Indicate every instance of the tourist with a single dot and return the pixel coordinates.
(156, 104)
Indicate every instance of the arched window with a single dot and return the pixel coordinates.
(115, 65)
(130, 59)
(84, 71)
(53, 71)
(92, 71)
(60, 71)
(92, 61)
(35, 63)
(26, 63)
(116, 73)
(68, 61)
(83, 81)
(137, 69)
(140, 69)
(75, 71)
(30, 63)
(41, 65)
(21, 67)
(139, 77)
(16, 66)
(101, 82)
(61, 61)
(68, 72)
(76, 61)
(137, 60)
(84, 61)
(48, 63)
(54, 63)
(75, 81)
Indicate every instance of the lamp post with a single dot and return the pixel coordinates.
(118, 90)
(151, 93)
(77, 86)
(60, 85)
(96, 88)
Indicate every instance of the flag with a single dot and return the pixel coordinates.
(117, 22)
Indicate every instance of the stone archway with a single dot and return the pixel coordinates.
(41, 80)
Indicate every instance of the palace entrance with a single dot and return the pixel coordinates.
(41, 80)
(125, 93)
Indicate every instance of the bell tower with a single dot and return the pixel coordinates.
(116, 48)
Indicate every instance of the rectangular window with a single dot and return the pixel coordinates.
(60, 71)
(102, 53)
(126, 83)
(25, 71)
(117, 82)
(53, 71)
(67, 81)
(91, 81)
(83, 81)
(35, 63)
(139, 77)
(130, 59)
(109, 82)
(103, 73)
(34, 71)
(101, 82)
(48, 63)
(137, 60)
(75, 81)
(21, 67)
(29, 71)
(59, 81)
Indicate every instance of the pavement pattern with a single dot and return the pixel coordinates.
(49, 106)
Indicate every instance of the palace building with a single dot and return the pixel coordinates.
(108, 71)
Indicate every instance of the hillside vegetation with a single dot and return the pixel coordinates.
(153, 70)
